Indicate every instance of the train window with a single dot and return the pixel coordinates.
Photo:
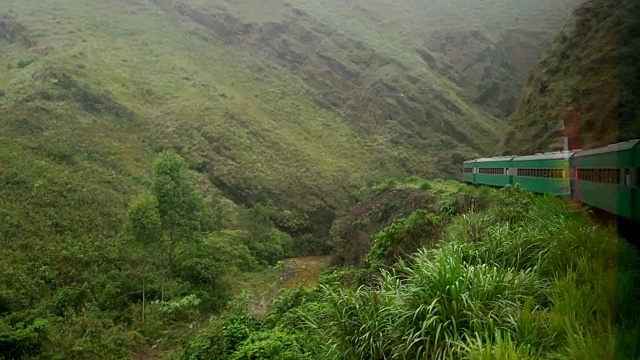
(605, 176)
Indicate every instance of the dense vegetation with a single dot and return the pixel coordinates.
(176, 255)
(446, 271)
(526, 277)
(588, 78)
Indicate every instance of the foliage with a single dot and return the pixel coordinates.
(19, 340)
(178, 204)
(402, 237)
(79, 296)
(384, 185)
(227, 247)
(265, 242)
(540, 282)
(181, 308)
(143, 219)
(543, 282)
(272, 344)
(222, 335)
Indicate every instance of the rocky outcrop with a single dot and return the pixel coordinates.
(589, 79)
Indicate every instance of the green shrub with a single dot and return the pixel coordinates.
(273, 344)
(223, 335)
(403, 236)
(384, 186)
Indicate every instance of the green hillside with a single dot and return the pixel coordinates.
(116, 247)
(588, 79)
(288, 102)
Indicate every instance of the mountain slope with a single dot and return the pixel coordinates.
(294, 103)
(589, 79)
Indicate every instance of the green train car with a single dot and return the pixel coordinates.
(468, 172)
(493, 171)
(608, 178)
(544, 173)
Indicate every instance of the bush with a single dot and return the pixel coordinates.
(273, 344)
(403, 237)
(384, 186)
(223, 335)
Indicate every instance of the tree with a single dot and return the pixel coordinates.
(143, 219)
(178, 203)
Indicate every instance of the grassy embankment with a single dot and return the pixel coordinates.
(504, 275)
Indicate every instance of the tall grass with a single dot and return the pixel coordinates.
(507, 283)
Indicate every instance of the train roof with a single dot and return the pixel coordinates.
(622, 146)
(497, 158)
(556, 155)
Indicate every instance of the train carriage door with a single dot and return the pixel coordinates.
(626, 178)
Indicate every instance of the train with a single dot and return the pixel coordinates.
(607, 178)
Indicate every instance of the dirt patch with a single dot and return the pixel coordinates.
(264, 287)
(146, 352)
(303, 271)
